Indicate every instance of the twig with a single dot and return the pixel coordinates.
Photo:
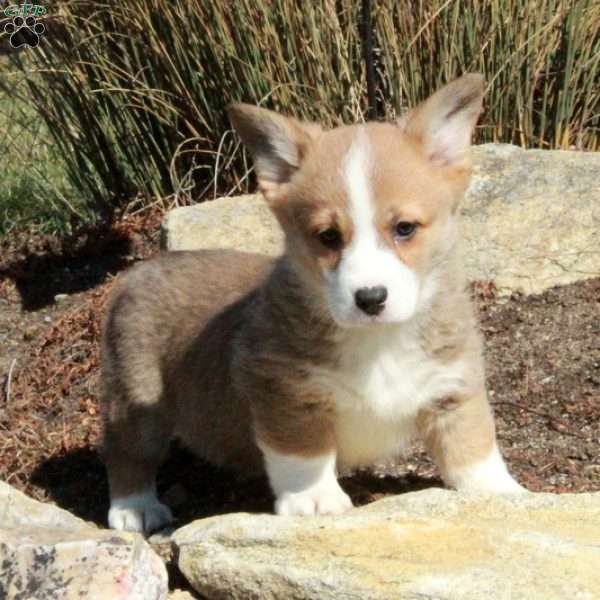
(12, 366)
(565, 428)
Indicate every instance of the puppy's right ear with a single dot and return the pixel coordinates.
(277, 144)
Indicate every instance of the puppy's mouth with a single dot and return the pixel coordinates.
(355, 318)
(349, 312)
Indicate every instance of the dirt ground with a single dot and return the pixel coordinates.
(542, 353)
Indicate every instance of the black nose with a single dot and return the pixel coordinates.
(371, 300)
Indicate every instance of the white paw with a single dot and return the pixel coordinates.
(489, 475)
(139, 512)
(511, 486)
(321, 500)
(504, 485)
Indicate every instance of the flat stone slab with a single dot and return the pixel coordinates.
(531, 219)
(46, 552)
(434, 544)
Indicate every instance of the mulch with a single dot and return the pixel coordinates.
(542, 354)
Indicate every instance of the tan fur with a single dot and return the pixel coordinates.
(458, 431)
(168, 333)
(224, 348)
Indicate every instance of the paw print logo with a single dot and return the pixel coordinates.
(24, 32)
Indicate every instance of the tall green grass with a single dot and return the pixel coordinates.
(34, 192)
(133, 93)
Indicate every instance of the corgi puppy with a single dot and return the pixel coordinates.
(337, 353)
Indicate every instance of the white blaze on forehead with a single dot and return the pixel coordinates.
(359, 265)
(368, 261)
(357, 171)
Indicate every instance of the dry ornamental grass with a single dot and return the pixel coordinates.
(133, 92)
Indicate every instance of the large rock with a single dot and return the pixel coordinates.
(46, 552)
(238, 222)
(18, 510)
(531, 219)
(432, 544)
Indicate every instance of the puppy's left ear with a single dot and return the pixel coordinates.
(444, 123)
(277, 144)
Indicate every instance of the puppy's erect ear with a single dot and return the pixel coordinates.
(277, 144)
(444, 123)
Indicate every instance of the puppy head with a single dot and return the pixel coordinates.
(368, 210)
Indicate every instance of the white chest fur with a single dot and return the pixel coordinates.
(382, 380)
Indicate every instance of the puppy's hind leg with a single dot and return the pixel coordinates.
(136, 438)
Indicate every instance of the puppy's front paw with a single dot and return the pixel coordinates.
(321, 500)
(489, 475)
(503, 486)
(511, 486)
(139, 512)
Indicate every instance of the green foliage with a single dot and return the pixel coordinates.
(34, 192)
(133, 93)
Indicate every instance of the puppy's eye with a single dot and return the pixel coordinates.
(330, 237)
(404, 230)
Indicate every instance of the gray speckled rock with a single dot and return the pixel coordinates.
(531, 219)
(240, 222)
(434, 544)
(18, 510)
(47, 553)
